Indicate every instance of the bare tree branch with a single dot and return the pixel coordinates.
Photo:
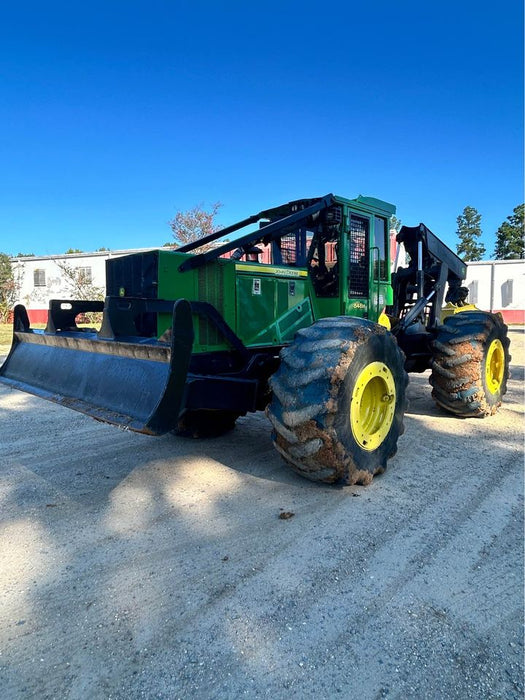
(193, 224)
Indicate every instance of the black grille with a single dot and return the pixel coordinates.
(135, 274)
(358, 286)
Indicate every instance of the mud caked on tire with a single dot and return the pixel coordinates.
(470, 364)
(339, 400)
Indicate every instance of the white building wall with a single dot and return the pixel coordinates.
(41, 278)
(498, 285)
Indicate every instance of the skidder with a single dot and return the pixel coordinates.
(301, 315)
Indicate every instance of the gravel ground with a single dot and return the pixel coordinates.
(139, 567)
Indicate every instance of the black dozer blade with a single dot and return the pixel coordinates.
(133, 385)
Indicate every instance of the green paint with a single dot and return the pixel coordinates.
(267, 304)
(271, 309)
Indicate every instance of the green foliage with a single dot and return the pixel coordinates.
(80, 286)
(395, 224)
(25, 255)
(70, 251)
(8, 287)
(78, 283)
(6, 271)
(102, 249)
(510, 244)
(189, 226)
(469, 231)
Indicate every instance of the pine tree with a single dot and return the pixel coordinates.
(510, 244)
(468, 231)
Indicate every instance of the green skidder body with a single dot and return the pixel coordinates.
(300, 316)
(266, 304)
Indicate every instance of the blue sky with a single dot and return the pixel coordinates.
(114, 115)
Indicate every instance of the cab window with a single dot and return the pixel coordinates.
(382, 249)
(322, 263)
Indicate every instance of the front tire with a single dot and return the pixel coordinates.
(339, 400)
(470, 365)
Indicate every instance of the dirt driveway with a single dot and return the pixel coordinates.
(138, 567)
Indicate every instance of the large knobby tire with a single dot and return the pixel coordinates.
(205, 423)
(338, 400)
(470, 364)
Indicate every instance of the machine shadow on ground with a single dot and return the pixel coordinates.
(123, 551)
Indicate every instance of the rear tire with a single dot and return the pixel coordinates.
(339, 400)
(470, 365)
(205, 423)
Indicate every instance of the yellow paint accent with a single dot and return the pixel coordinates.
(383, 320)
(494, 366)
(373, 405)
(270, 270)
(450, 309)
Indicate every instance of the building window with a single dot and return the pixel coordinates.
(473, 292)
(506, 293)
(39, 278)
(84, 274)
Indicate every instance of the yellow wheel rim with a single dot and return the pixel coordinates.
(494, 366)
(373, 405)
